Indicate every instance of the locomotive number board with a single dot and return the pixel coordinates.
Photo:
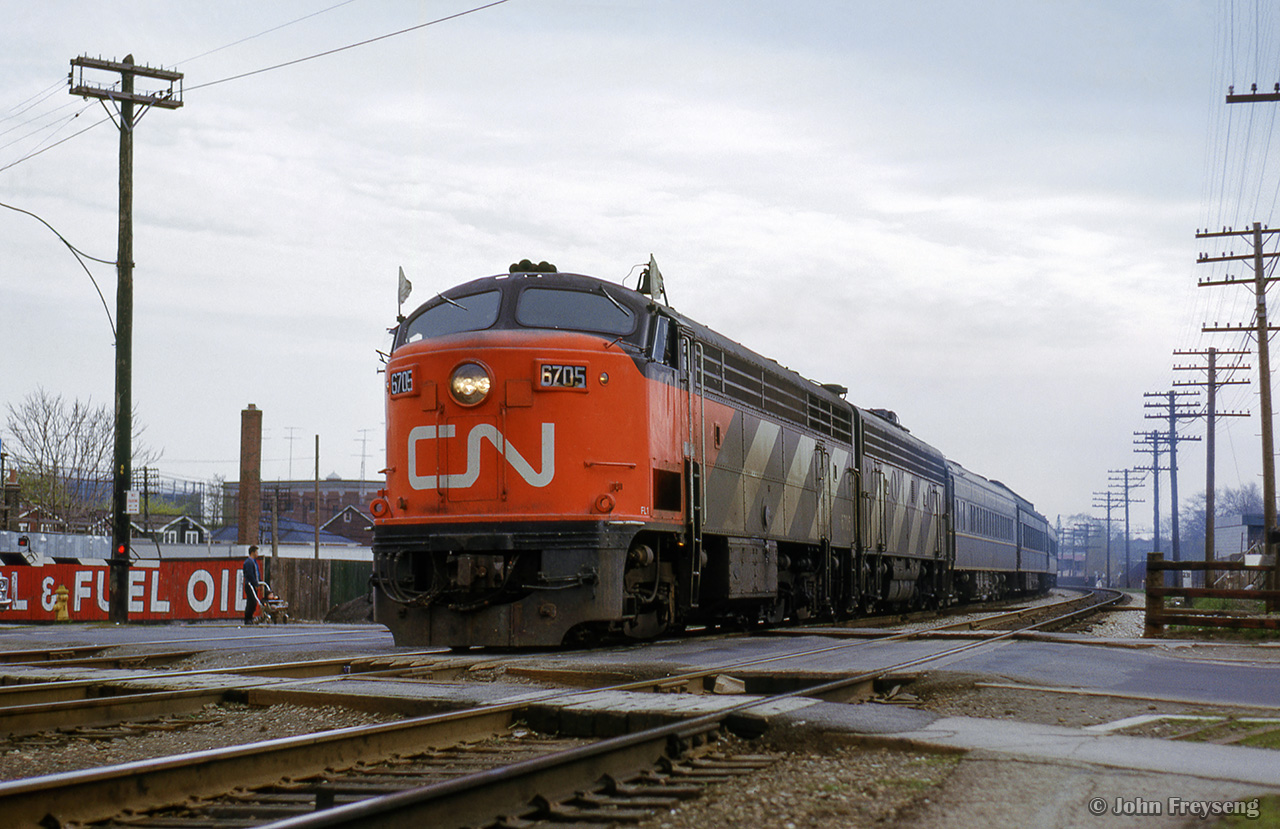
(555, 376)
(401, 382)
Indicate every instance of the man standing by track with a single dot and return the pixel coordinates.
(252, 577)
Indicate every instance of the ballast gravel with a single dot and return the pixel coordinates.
(224, 724)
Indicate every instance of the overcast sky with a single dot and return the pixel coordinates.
(979, 214)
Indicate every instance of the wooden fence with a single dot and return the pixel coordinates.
(1158, 615)
(313, 587)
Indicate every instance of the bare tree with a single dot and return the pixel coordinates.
(63, 454)
(1243, 500)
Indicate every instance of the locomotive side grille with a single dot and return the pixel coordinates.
(771, 392)
(882, 445)
(831, 419)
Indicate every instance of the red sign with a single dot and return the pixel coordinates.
(189, 589)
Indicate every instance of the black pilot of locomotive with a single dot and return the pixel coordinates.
(569, 459)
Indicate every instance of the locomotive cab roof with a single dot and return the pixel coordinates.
(532, 300)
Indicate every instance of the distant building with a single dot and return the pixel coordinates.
(291, 532)
(184, 530)
(1236, 535)
(343, 506)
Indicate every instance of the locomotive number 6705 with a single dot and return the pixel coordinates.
(563, 377)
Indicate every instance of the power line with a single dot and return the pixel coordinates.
(265, 32)
(32, 155)
(80, 257)
(294, 62)
(348, 47)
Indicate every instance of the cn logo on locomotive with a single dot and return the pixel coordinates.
(478, 433)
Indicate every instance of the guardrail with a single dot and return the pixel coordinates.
(1158, 615)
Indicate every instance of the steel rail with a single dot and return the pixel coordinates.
(1018, 613)
(93, 794)
(471, 798)
(43, 716)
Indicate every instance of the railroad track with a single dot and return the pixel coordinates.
(83, 703)
(303, 780)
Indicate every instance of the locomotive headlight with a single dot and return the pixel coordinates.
(470, 384)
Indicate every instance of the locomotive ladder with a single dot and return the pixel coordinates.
(695, 453)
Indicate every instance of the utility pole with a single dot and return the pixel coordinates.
(317, 555)
(1212, 384)
(1078, 531)
(1107, 505)
(1262, 337)
(122, 459)
(289, 437)
(1128, 499)
(1151, 441)
(364, 456)
(1174, 411)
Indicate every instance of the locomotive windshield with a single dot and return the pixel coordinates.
(575, 310)
(466, 313)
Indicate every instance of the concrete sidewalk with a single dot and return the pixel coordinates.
(1240, 764)
(1016, 775)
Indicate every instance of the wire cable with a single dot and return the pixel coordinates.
(260, 34)
(32, 155)
(348, 47)
(80, 257)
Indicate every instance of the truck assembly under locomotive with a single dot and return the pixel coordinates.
(569, 459)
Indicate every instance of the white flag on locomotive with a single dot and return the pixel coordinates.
(405, 287)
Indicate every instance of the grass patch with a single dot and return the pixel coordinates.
(1268, 815)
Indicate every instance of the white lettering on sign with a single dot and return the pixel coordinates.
(18, 604)
(200, 581)
(157, 604)
(46, 593)
(104, 599)
(137, 588)
(83, 589)
(481, 432)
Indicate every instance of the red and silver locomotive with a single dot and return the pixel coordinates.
(569, 459)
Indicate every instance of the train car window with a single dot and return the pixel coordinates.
(465, 313)
(573, 310)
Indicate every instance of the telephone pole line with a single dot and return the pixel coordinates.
(1107, 505)
(1262, 331)
(1175, 411)
(122, 460)
(1212, 384)
(1150, 441)
(1128, 499)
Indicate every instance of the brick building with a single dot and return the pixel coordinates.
(343, 505)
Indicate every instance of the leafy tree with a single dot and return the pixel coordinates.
(63, 452)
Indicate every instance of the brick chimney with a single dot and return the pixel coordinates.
(249, 507)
